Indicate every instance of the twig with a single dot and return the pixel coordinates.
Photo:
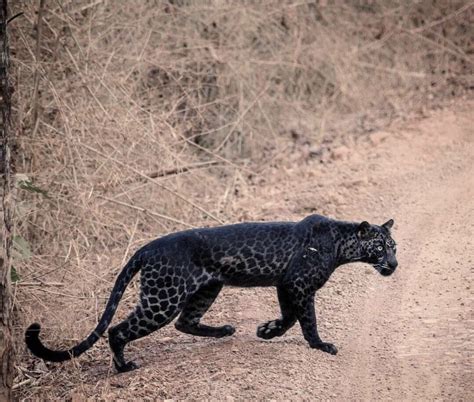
(40, 284)
(444, 19)
(146, 211)
(176, 170)
(181, 169)
(36, 77)
(391, 70)
(20, 384)
(124, 258)
(71, 296)
(14, 17)
(157, 183)
(84, 82)
(217, 156)
(240, 118)
(455, 51)
(276, 155)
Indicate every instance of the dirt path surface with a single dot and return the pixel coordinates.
(408, 336)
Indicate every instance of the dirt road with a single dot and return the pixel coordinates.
(415, 341)
(408, 336)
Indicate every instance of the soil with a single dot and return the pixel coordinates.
(404, 337)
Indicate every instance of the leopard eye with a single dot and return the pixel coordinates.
(379, 248)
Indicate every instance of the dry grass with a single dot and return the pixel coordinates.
(141, 118)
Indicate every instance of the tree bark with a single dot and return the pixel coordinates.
(6, 342)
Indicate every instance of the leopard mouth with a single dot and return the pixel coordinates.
(384, 270)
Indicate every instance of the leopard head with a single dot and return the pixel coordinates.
(377, 246)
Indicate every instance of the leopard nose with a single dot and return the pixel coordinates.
(393, 264)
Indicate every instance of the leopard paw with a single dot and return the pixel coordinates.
(130, 366)
(226, 330)
(270, 329)
(325, 347)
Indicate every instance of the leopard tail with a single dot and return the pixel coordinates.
(35, 345)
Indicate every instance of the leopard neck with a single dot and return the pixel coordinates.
(347, 243)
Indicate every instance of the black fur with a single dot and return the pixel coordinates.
(184, 272)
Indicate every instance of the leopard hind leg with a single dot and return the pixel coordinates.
(143, 321)
(162, 297)
(195, 307)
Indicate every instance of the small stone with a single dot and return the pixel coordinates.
(341, 152)
(361, 181)
(378, 137)
(315, 151)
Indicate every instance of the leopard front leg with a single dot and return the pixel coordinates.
(306, 314)
(278, 327)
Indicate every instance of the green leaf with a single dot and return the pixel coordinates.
(25, 183)
(14, 275)
(21, 247)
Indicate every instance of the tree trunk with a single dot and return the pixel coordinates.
(6, 344)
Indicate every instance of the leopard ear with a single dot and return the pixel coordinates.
(388, 225)
(363, 231)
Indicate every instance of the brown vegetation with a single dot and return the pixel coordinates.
(140, 118)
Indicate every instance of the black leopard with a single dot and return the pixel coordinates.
(184, 272)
